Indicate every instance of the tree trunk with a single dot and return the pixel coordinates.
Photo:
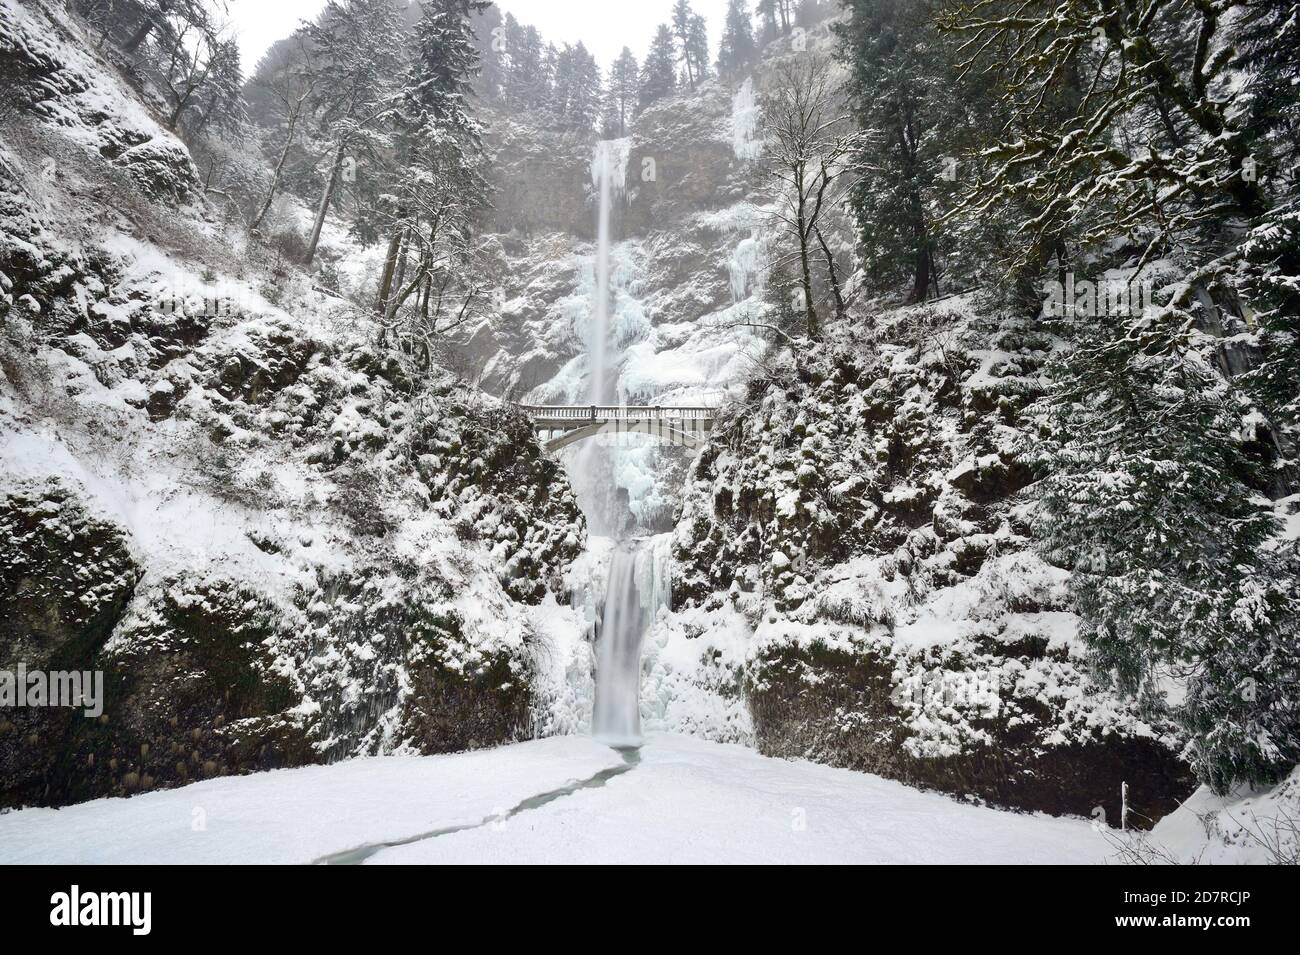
(810, 313)
(174, 120)
(141, 35)
(832, 273)
(279, 169)
(921, 276)
(390, 266)
(327, 196)
(133, 44)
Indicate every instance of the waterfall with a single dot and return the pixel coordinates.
(637, 586)
(608, 168)
(634, 588)
(591, 466)
(617, 716)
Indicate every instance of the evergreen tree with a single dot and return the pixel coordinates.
(131, 23)
(357, 61)
(527, 84)
(738, 51)
(221, 105)
(808, 13)
(622, 93)
(684, 30)
(658, 72)
(777, 17)
(697, 44)
(489, 83)
(575, 93)
(1153, 505)
(908, 97)
(439, 185)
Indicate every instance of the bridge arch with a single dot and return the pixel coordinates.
(659, 429)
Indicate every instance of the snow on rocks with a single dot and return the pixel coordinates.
(327, 555)
(863, 523)
(87, 102)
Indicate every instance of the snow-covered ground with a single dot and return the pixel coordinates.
(564, 799)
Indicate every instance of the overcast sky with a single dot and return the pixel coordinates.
(605, 26)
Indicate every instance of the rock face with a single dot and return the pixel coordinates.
(541, 178)
(865, 513)
(680, 165)
(65, 580)
(47, 73)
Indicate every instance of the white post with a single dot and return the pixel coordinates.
(1123, 805)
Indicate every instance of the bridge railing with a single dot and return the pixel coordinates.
(615, 412)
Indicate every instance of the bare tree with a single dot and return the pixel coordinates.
(190, 59)
(161, 16)
(810, 138)
(358, 60)
(428, 288)
(291, 89)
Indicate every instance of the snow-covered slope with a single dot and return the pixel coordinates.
(279, 541)
(1245, 827)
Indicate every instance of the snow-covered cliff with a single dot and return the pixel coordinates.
(277, 542)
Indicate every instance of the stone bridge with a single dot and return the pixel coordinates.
(564, 425)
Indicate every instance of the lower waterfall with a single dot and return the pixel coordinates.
(636, 588)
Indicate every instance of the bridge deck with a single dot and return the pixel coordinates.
(685, 425)
(565, 417)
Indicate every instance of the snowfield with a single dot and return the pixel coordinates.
(560, 800)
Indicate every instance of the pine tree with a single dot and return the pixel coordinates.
(575, 92)
(808, 13)
(1153, 505)
(684, 29)
(908, 97)
(737, 52)
(527, 81)
(658, 72)
(489, 83)
(439, 185)
(357, 56)
(133, 22)
(220, 104)
(621, 94)
(1270, 275)
(777, 17)
(697, 43)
